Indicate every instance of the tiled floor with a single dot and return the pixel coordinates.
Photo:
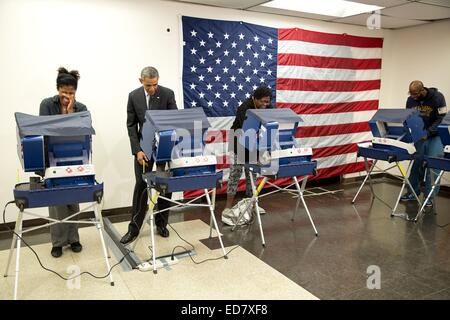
(413, 258)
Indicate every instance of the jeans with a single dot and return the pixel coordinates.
(430, 147)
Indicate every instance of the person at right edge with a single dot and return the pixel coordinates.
(432, 107)
(150, 96)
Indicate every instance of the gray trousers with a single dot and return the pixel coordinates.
(64, 233)
(235, 176)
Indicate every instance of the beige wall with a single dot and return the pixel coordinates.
(109, 41)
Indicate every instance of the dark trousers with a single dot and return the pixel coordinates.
(140, 203)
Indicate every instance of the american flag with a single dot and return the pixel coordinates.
(331, 80)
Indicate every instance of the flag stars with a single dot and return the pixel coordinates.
(247, 95)
(201, 77)
(233, 95)
(218, 61)
(210, 104)
(209, 86)
(225, 86)
(233, 45)
(202, 60)
(261, 80)
(193, 69)
(240, 88)
(247, 79)
(241, 70)
(233, 62)
(241, 53)
(193, 85)
(233, 79)
(256, 38)
(193, 33)
(269, 72)
(218, 44)
(241, 36)
(255, 71)
(254, 87)
(210, 35)
(269, 56)
(194, 103)
(202, 43)
(217, 78)
(201, 95)
(263, 48)
(217, 94)
(193, 51)
(256, 55)
(248, 62)
(210, 52)
(248, 45)
(209, 69)
(270, 40)
(226, 36)
(225, 103)
(226, 53)
(225, 70)
(262, 64)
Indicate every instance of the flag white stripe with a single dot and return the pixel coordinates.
(327, 50)
(221, 123)
(341, 159)
(329, 74)
(335, 140)
(336, 118)
(289, 96)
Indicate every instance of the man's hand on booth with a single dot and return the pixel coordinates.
(141, 157)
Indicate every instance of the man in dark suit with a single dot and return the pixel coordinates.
(150, 96)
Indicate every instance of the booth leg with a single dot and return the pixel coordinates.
(99, 225)
(368, 173)
(429, 195)
(300, 191)
(213, 218)
(19, 240)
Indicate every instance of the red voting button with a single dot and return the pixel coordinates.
(80, 169)
(69, 170)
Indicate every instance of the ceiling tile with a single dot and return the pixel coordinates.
(235, 4)
(418, 11)
(444, 3)
(385, 22)
(291, 13)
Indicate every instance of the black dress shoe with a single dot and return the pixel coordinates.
(162, 231)
(128, 238)
(57, 252)
(76, 246)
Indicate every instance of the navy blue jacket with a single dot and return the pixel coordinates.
(432, 109)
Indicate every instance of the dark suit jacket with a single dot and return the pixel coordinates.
(163, 99)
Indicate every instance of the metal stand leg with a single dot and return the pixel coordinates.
(365, 179)
(213, 200)
(429, 195)
(18, 231)
(152, 224)
(13, 243)
(300, 191)
(211, 210)
(99, 225)
(405, 182)
(255, 196)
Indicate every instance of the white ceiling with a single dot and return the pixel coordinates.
(396, 14)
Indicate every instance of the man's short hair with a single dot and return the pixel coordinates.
(149, 72)
(262, 92)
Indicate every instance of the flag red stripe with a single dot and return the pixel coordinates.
(334, 150)
(216, 136)
(317, 108)
(303, 60)
(331, 130)
(326, 85)
(329, 38)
